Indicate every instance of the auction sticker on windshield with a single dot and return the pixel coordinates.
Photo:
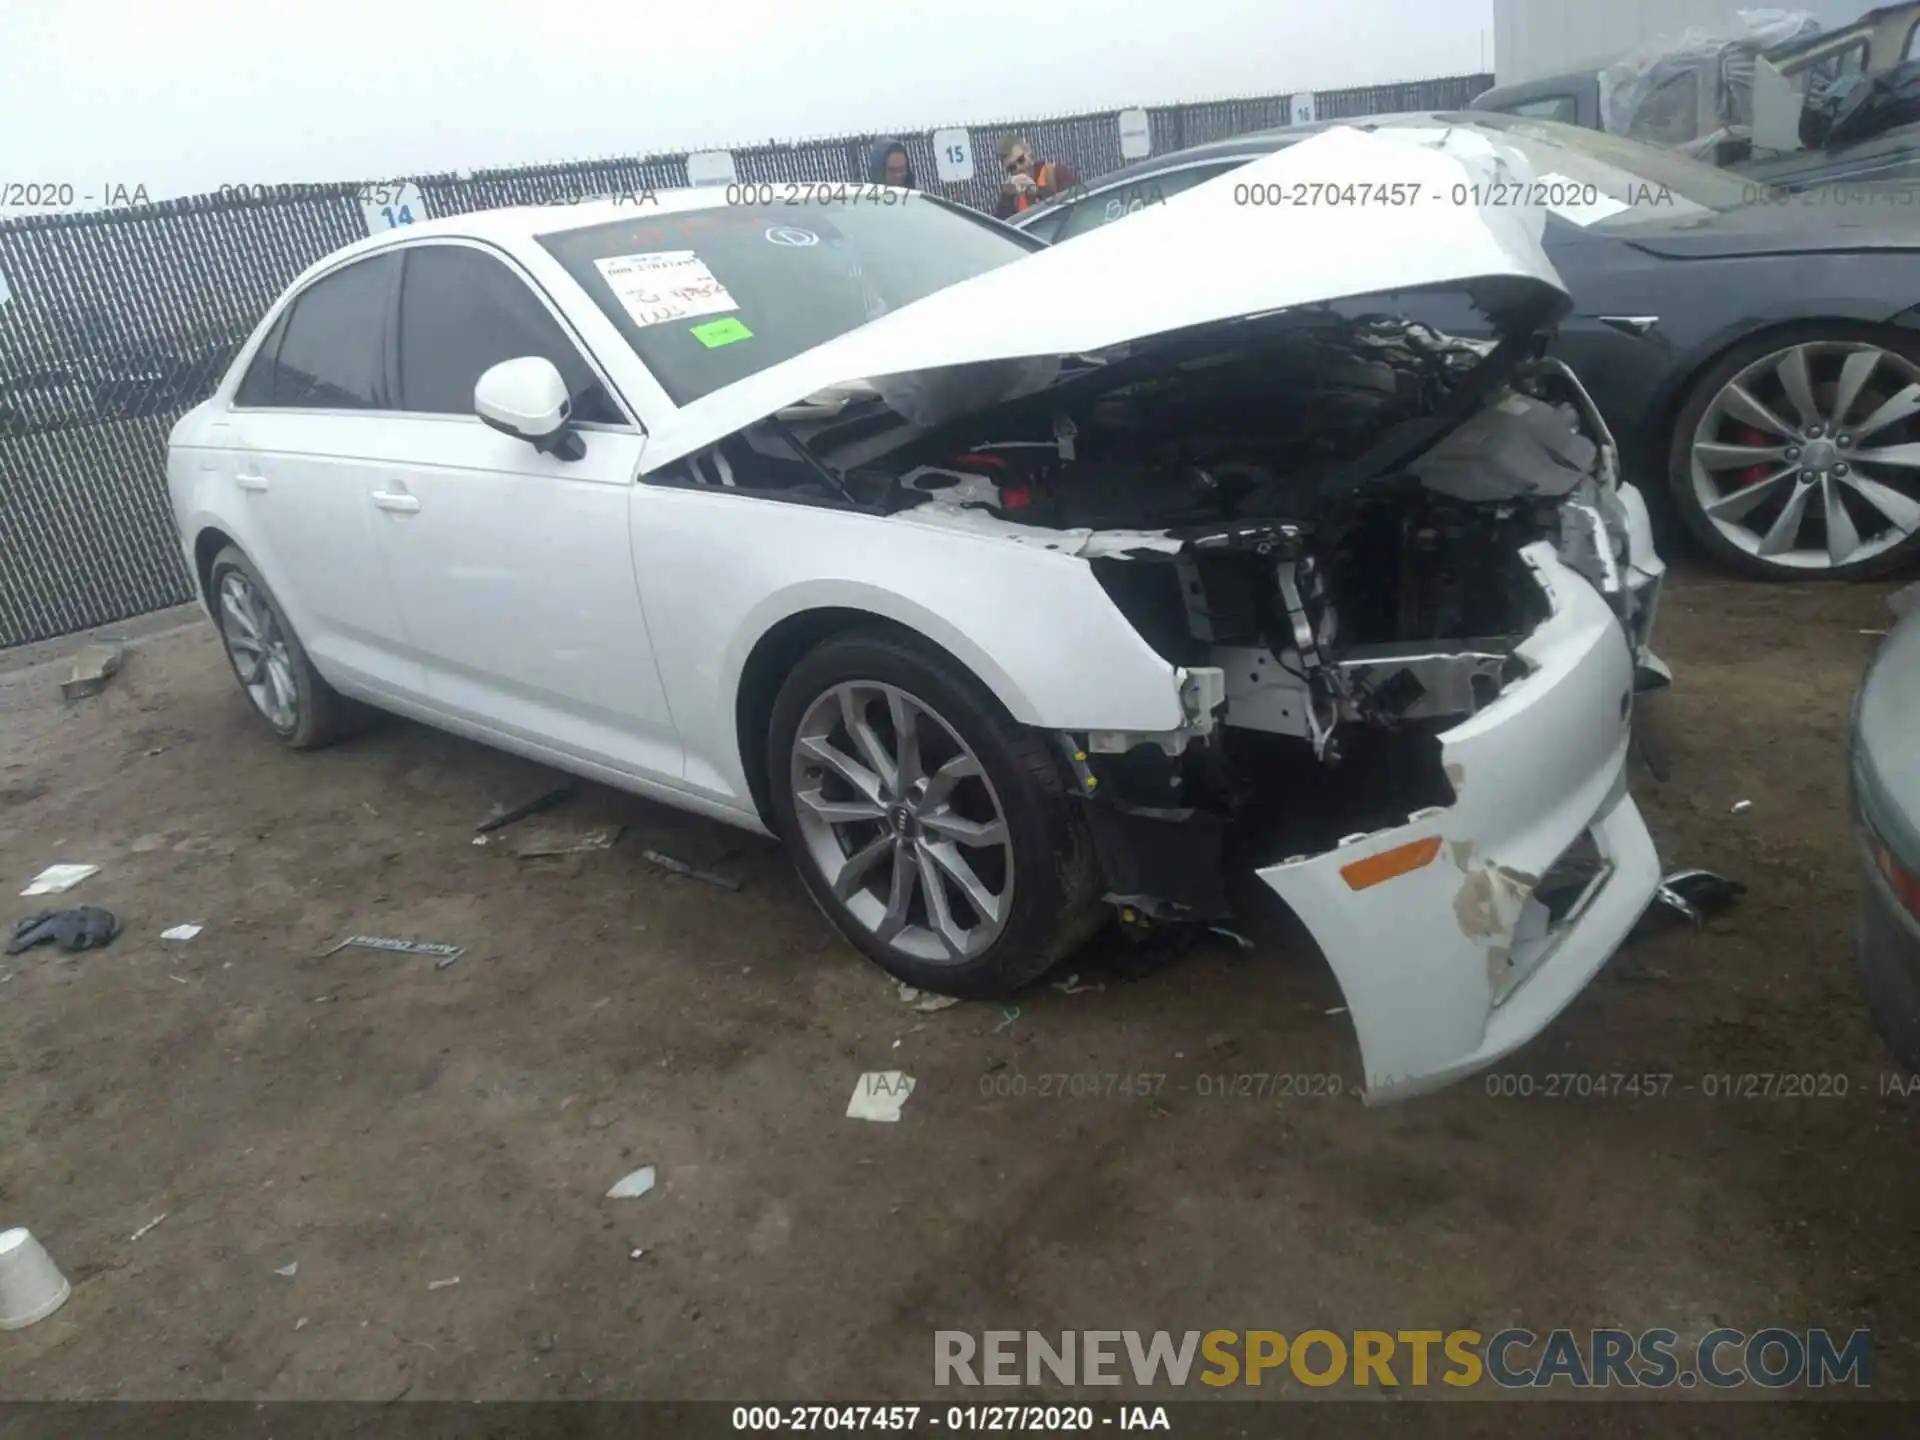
(664, 285)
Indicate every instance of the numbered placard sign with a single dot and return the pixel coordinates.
(952, 155)
(711, 167)
(392, 205)
(1303, 113)
(1136, 135)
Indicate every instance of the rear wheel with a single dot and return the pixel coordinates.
(302, 710)
(935, 832)
(1797, 455)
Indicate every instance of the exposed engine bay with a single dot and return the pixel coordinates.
(1325, 519)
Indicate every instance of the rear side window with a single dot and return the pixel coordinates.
(327, 350)
(1123, 200)
(463, 312)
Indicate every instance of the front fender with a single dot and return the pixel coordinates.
(718, 572)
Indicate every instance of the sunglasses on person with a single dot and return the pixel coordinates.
(1018, 162)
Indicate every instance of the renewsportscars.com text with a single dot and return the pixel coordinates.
(1771, 1358)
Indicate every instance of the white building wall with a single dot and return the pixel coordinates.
(1533, 39)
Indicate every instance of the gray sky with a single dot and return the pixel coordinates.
(192, 94)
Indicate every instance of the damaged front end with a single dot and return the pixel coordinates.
(1406, 598)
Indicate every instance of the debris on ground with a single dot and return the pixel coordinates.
(563, 840)
(632, 1187)
(879, 1095)
(1740, 807)
(31, 1285)
(636, 1252)
(85, 927)
(393, 945)
(289, 1270)
(535, 806)
(925, 1001)
(93, 666)
(149, 1225)
(57, 878)
(1008, 1016)
(680, 867)
(1072, 986)
(180, 932)
(442, 1284)
(1880, 633)
(1691, 895)
(1238, 939)
(1338, 1010)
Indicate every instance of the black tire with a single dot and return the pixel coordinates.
(321, 714)
(1056, 896)
(1700, 396)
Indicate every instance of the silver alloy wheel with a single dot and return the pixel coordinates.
(259, 649)
(1787, 447)
(900, 817)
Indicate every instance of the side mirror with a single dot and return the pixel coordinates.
(527, 399)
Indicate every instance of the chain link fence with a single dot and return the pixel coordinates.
(115, 323)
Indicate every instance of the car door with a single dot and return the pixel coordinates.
(299, 439)
(513, 567)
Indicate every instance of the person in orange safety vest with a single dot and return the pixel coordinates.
(1029, 182)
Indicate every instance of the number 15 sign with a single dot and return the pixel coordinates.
(952, 155)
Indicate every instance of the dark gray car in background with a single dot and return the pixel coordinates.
(1757, 360)
(1883, 762)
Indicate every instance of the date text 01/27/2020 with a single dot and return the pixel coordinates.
(1404, 194)
(1061, 1419)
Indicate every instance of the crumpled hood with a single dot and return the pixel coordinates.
(1205, 256)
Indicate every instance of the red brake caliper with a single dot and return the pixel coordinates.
(1753, 474)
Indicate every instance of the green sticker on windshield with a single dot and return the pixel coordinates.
(720, 332)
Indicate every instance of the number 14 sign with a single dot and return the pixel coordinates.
(392, 205)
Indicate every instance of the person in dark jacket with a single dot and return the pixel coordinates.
(1029, 181)
(889, 164)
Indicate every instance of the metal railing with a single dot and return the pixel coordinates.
(114, 323)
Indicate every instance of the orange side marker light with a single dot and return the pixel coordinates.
(1401, 860)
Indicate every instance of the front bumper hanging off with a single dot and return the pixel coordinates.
(1461, 934)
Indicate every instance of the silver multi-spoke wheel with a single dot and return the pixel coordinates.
(1809, 458)
(259, 649)
(898, 814)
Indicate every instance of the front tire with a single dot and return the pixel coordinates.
(932, 830)
(300, 708)
(1796, 456)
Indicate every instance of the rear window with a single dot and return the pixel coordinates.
(709, 297)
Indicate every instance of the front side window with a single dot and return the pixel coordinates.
(1815, 79)
(1106, 206)
(1548, 107)
(709, 297)
(463, 312)
(327, 350)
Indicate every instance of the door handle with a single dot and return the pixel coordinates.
(251, 482)
(399, 504)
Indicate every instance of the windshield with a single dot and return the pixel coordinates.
(1652, 184)
(709, 297)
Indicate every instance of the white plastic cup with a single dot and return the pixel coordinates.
(31, 1285)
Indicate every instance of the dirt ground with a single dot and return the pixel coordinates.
(385, 1125)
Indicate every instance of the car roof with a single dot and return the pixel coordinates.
(513, 227)
(1264, 142)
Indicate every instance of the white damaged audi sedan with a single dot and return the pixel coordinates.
(1009, 587)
